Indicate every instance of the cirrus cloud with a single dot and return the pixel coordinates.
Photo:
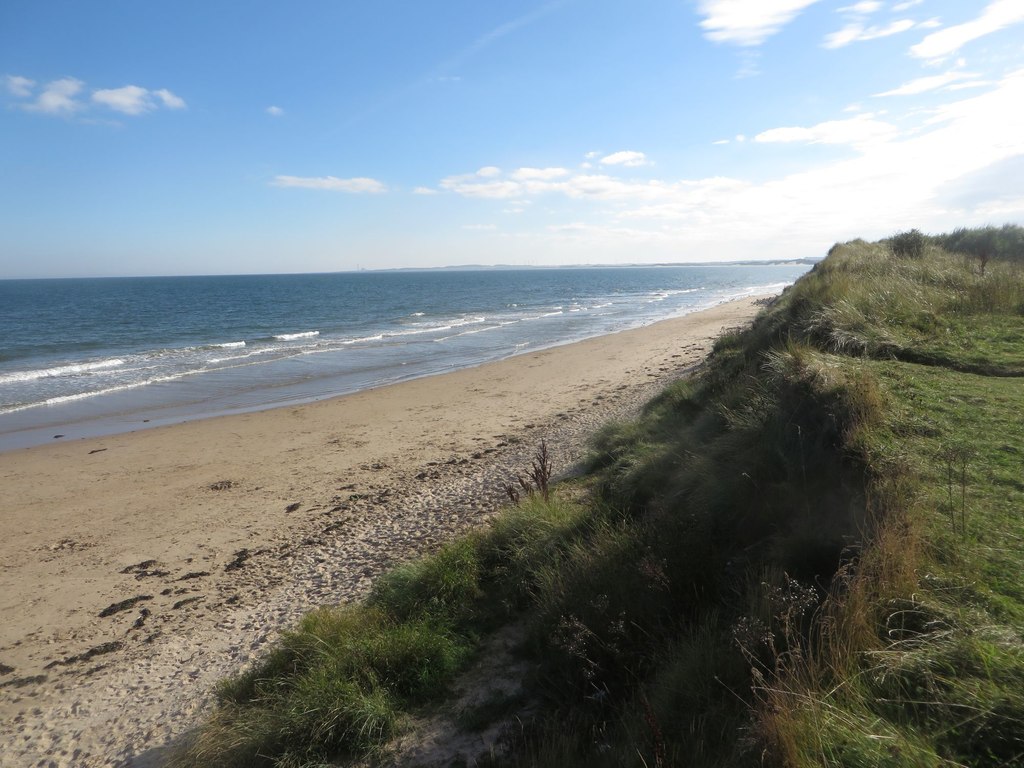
(855, 32)
(747, 22)
(997, 15)
(930, 83)
(863, 8)
(854, 131)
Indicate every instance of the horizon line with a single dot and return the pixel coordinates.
(448, 268)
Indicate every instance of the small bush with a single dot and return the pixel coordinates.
(907, 245)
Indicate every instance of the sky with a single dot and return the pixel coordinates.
(204, 137)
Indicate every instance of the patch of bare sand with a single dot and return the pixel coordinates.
(137, 570)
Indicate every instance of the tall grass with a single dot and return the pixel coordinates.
(338, 684)
(759, 570)
(781, 494)
(332, 686)
(908, 667)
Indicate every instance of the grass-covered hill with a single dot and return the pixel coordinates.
(809, 553)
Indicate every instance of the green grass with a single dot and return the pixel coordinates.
(939, 677)
(337, 685)
(941, 682)
(809, 554)
(332, 686)
(834, 447)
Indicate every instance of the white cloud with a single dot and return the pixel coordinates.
(856, 131)
(58, 97)
(20, 86)
(582, 186)
(997, 15)
(747, 22)
(484, 183)
(627, 158)
(927, 176)
(971, 84)
(136, 100)
(899, 7)
(131, 99)
(331, 183)
(1010, 115)
(855, 32)
(720, 142)
(274, 111)
(903, 178)
(863, 8)
(479, 227)
(925, 84)
(62, 97)
(425, 191)
(543, 174)
(470, 185)
(170, 100)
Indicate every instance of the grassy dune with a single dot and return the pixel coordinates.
(809, 553)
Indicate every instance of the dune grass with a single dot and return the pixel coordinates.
(843, 479)
(811, 553)
(338, 684)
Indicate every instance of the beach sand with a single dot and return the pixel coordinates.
(137, 570)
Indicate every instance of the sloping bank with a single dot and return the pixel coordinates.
(810, 553)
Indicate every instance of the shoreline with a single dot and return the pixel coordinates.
(181, 399)
(145, 566)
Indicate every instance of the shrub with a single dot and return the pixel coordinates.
(907, 245)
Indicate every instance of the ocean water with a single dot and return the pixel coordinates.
(87, 357)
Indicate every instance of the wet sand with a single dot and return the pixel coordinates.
(136, 570)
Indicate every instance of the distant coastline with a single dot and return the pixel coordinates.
(804, 261)
(808, 261)
(85, 357)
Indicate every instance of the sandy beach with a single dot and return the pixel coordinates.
(136, 570)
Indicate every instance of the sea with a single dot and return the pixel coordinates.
(87, 357)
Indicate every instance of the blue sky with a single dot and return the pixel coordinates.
(150, 138)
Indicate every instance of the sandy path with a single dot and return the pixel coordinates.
(138, 569)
